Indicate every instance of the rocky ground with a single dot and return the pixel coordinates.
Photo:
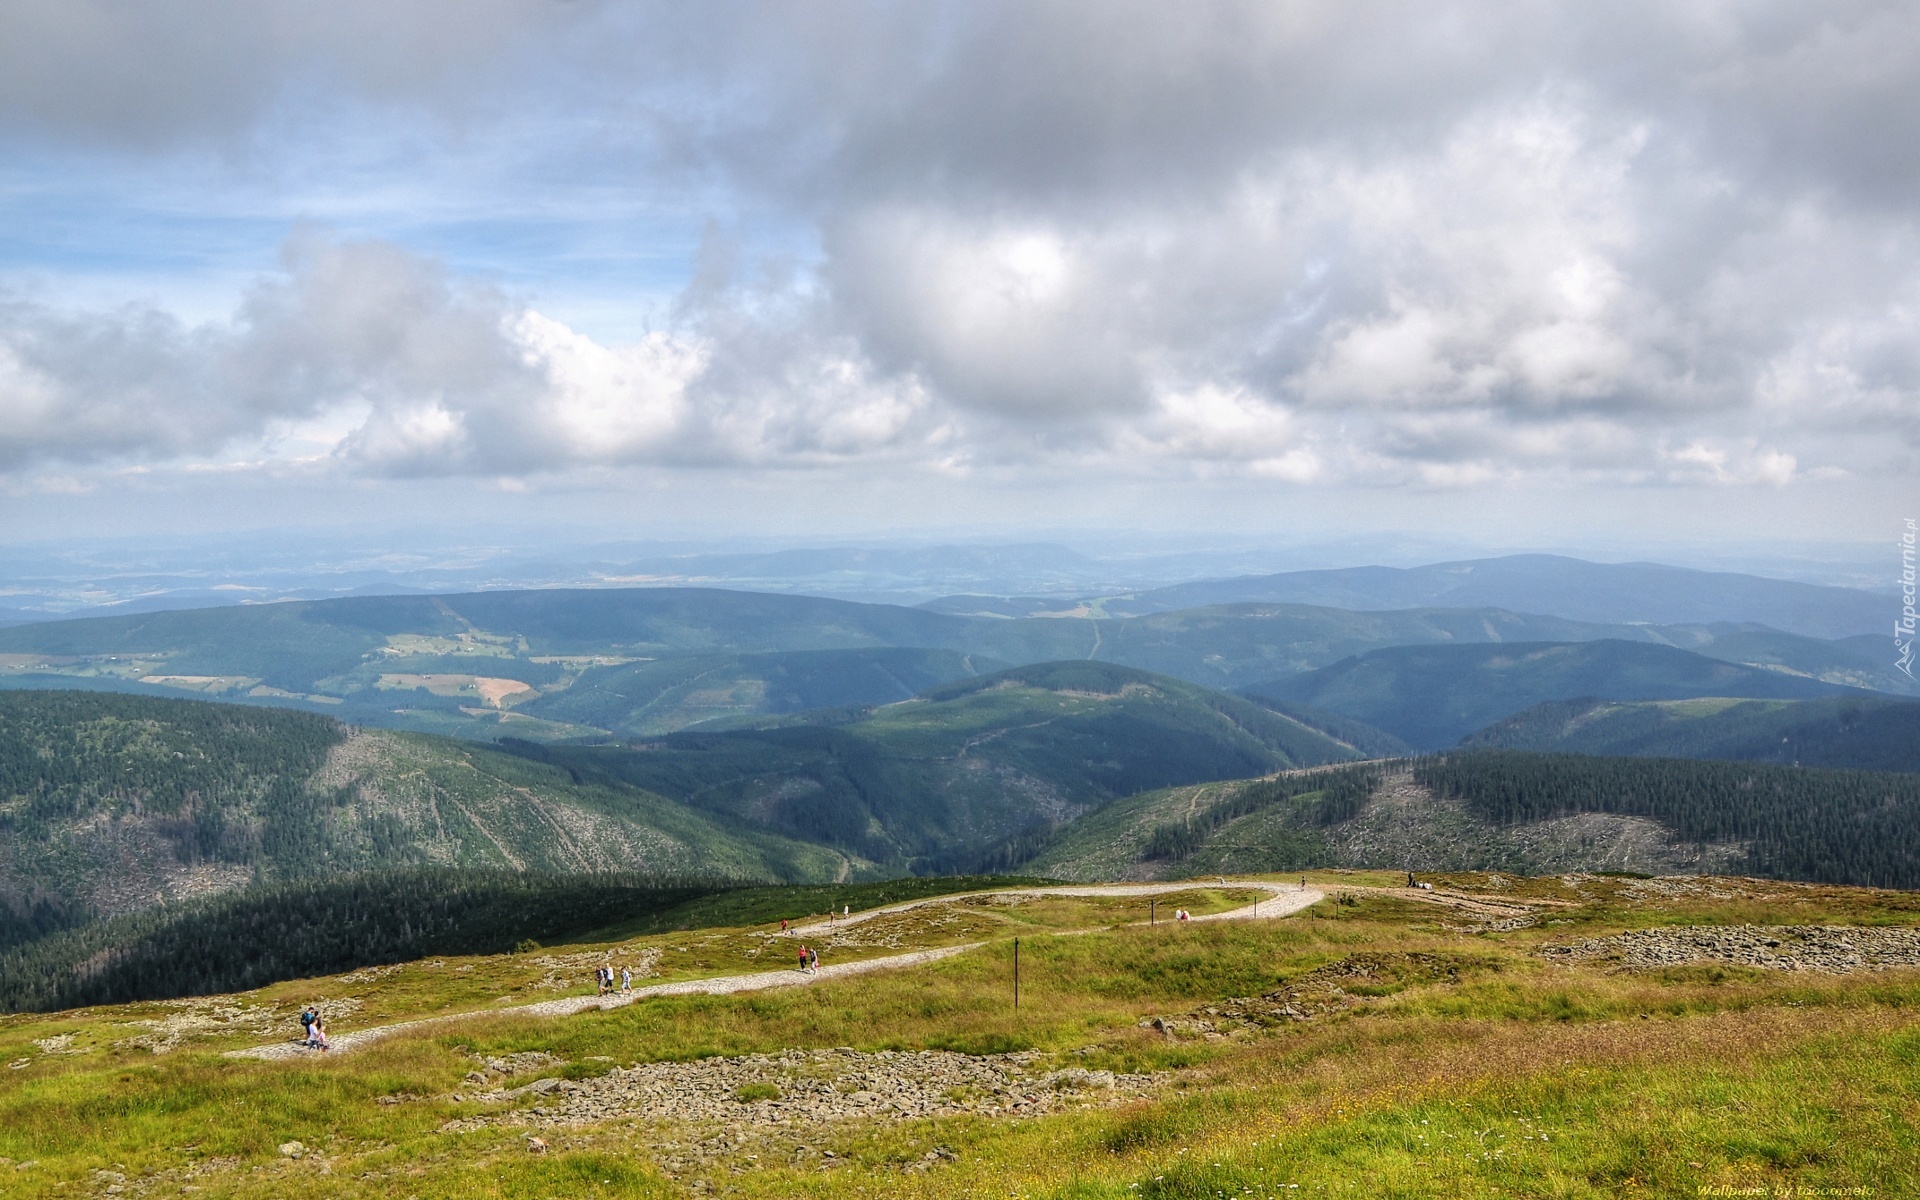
(799, 1088)
(1835, 949)
(1321, 992)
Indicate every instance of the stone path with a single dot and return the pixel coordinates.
(1285, 899)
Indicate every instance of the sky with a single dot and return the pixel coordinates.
(1615, 276)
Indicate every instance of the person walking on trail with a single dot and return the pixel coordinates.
(813, 962)
(307, 1018)
(626, 979)
(320, 1033)
(783, 924)
(803, 958)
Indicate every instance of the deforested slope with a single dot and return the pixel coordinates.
(113, 803)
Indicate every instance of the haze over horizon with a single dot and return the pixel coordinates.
(1383, 281)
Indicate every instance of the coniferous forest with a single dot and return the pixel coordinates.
(242, 940)
(1824, 826)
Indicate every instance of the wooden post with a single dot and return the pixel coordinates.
(1016, 972)
(1150, 903)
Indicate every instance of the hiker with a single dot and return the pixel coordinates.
(813, 961)
(783, 924)
(320, 1032)
(307, 1018)
(1410, 880)
(803, 958)
(626, 979)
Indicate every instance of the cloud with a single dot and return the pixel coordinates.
(1369, 242)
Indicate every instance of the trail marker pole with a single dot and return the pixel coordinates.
(1016, 973)
(1150, 916)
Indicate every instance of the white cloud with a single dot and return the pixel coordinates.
(1448, 245)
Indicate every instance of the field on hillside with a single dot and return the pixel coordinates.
(1498, 1035)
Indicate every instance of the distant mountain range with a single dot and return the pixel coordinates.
(1432, 696)
(555, 664)
(1571, 588)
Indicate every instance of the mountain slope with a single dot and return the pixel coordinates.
(1513, 812)
(936, 780)
(111, 803)
(665, 695)
(1434, 695)
(1544, 583)
(1858, 732)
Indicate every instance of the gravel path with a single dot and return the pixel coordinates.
(1285, 900)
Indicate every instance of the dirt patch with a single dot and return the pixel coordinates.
(1835, 949)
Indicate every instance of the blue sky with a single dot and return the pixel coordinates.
(1525, 273)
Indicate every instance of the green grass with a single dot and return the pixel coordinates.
(1503, 1076)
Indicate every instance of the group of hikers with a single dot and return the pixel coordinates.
(314, 1026)
(603, 977)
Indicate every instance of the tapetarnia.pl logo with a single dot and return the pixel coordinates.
(1903, 628)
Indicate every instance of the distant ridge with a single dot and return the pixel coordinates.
(1551, 585)
(1857, 732)
(1432, 696)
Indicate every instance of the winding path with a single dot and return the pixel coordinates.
(1283, 900)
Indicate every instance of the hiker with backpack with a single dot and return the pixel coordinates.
(308, 1018)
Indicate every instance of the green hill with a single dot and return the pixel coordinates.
(666, 695)
(935, 781)
(1432, 696)
(112, 803)
(1826, 826)
(1861, 732)
(503, 663)
(1514, 812)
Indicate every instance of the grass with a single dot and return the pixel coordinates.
(1506, 1077)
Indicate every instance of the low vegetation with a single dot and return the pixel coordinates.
(1438, 1052)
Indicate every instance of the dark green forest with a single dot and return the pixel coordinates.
(242, 940)
(1824, 826)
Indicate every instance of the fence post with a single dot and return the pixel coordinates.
(1016, 972)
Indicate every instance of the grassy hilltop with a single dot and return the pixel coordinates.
(1580, 1037)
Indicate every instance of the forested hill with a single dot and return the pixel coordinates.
(928, 783)
(1826, 826)
(1432, 696)
(111, 803)
(1861, 732)
(569, 663)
